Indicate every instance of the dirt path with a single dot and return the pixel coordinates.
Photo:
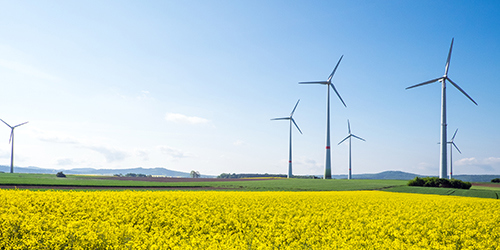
(486, 184)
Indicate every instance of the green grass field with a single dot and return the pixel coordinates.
(85, 180)
(313, 185)
(480, 193)
(42, 180)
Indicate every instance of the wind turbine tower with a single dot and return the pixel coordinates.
(290, 118)
(11, 140)
(452, 143)
(443, 79)
(328, 83)
(349, 137)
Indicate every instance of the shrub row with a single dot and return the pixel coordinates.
(439, 182)
(496, 180)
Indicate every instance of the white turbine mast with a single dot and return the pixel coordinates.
(443, 79)
(349, 176)
(328, 83)
(290, 118)
(11, 140)
(452, 144)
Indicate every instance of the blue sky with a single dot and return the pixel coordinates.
(192, 85)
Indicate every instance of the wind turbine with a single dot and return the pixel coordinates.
(11, 140)
(452, 143)
(328, 83)
(442, 163)
(349, 137)
(290, 118)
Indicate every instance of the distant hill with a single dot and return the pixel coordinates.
(399, 175)
(92, 171)
(386, 175)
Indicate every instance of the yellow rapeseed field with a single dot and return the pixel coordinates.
(245, 220)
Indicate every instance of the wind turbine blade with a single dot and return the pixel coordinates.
(344, 139)
(357, 137)
(348, 126)
(461, 90)
(424, 83)
(291, 114)
(296, 125)
(335, 69)
(447, 66)
(331, 84)
(318, 82)
(5, 123)
(11, 135)
(456, 147)
(20, 124)
(282, 118)
(453, 138)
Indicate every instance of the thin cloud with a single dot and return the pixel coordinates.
(142, 154)
(144, 96)
(174, 153)
(490, 164)
(58, 139)
(111, 154)
(308, 164)
(238, 143)
(65, 162)
(27, 70)
(4, 154)
(180, 118)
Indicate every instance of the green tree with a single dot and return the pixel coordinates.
(195, 174)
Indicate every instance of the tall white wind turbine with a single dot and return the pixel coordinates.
(290, 118)
(328, 83)
(452, 143)
(349, 176)
(443, 79)
(11, 140)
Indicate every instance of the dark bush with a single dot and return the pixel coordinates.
(496, 180)
(439, 182)
(60, 174)
(445, 183)
(431, 182)
(416, 182)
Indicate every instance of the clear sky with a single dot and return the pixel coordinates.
(192, 85)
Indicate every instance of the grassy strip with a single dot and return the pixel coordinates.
(78, 180)
(480, 193)
(486, 188)
(312, 185)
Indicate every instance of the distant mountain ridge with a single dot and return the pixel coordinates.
(93, 171)
(400, 175)
(386, 175)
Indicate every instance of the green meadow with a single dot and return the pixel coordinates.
(42, 181)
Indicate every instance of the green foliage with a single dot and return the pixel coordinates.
(439, 182)
(60, 174)
(194, 174)
(496, 180)
(136, 175)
